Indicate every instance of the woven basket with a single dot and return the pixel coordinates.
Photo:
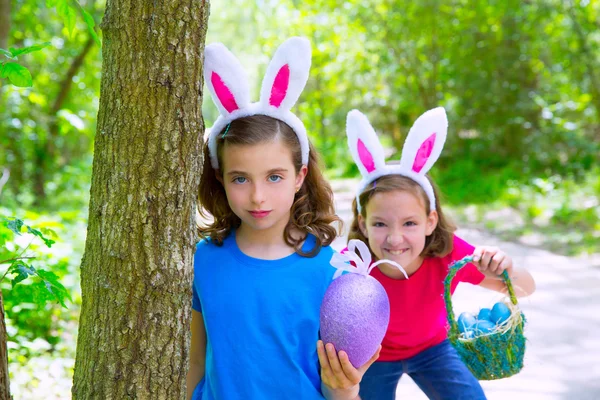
(495, 355)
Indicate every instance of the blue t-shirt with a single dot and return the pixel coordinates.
(262, 321)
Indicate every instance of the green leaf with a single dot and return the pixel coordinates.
(66, 11)
(14, 225)
(6, 53)
(17, 74)
(21, 271)
(54, 287)
(48, 242)
(27, 50)
(89, 21)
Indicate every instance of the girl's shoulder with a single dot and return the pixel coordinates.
(208, 244)
(325, 252)
(205, 242)
(460, 249)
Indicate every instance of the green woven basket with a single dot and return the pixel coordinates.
(495, 355)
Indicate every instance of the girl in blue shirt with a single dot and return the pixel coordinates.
(262, 269)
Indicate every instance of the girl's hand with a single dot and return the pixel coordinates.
(492, 262)
(338, 374)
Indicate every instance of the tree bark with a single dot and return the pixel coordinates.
(136, 273)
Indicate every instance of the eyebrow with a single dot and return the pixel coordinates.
(269, 172)
(379, 217)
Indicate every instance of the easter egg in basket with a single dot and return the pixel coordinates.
(484, 313)
(500, 313)
(466, 321)
(355, 312)
(493, 348)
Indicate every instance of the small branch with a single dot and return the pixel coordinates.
(15, 259)
(65, 87)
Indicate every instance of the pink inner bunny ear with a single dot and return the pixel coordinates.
(223, 93)
(366, 158)
(423, 153)
(280, 86)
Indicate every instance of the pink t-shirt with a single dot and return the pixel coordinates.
(418, 313)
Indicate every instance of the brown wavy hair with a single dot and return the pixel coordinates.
(313, 208)
(439, 243)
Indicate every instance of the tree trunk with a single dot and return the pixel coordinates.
(136, 273)
(4, 381)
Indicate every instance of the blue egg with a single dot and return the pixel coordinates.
(484, 314)
(500, 313)
(466, 321)
(483, 327)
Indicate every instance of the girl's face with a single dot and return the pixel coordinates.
(396, 227)
(260, 183)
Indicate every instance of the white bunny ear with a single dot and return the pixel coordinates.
(425, 141)
(364, 144)
(225, 79)
(286, 74)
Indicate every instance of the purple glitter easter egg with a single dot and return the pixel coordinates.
(354, 316)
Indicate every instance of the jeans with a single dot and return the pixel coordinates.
(438, 371)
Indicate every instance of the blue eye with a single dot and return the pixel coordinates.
(274, 178)
(378, 224)
(239, 179)
(410, 223)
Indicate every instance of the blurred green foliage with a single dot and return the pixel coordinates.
(46, 131)
(519, 80)
(30, 281)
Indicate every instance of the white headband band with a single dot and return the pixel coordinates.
(421, 150)
(284, 80)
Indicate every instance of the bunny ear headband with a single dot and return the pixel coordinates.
(284, 80)
(421, 150)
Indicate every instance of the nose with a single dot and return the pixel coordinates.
(258, 194)
(395, 238)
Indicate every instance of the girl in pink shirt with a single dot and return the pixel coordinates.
(398, 214)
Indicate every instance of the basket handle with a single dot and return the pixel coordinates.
(452, 270)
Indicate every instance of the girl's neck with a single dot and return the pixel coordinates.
(266, 244)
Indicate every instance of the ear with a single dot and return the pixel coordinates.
(286, 74)
(432, 221)
(364, 144)
(425, 141)
(301, 176)
(362, 225)
(219, 176)
(226, 79)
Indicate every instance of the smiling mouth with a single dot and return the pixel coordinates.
(396, 252)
